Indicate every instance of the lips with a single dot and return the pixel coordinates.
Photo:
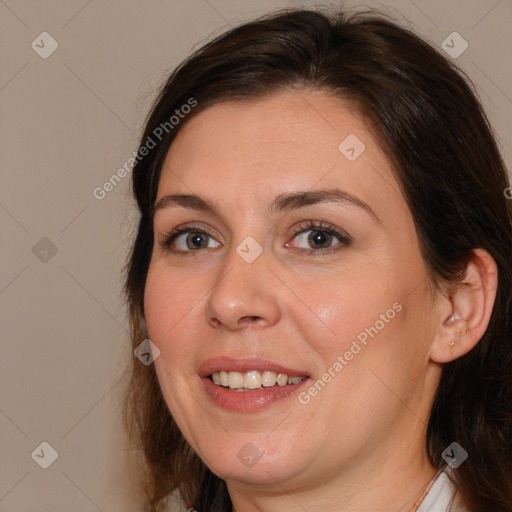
(255, 398)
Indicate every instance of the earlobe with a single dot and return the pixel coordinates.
(453, 341)
(466, 312)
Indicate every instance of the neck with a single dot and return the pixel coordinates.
(382, 483)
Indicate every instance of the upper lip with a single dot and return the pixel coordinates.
(245, 364)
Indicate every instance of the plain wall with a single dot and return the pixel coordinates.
(68, 122)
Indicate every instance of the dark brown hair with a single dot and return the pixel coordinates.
(429, 121)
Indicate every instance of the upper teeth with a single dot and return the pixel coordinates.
(253, 379)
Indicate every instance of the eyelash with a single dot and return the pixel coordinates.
(322, 227)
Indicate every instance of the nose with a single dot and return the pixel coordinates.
(244, 294)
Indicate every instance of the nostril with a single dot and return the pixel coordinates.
(249, 319)
(214, 322)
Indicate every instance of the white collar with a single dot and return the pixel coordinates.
(442, 496)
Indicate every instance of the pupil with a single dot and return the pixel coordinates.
(197, 239)
(318, 237)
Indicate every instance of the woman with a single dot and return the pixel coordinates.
(322, 265)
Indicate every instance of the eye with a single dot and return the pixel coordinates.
(320, 236)
(188, 239)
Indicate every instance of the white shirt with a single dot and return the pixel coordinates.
(442, 496)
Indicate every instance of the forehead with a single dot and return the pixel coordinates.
(288, 141)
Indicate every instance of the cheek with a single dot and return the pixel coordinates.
(175, 318)
(168, 305)
(157, 308)
(347, 308)
(367, 326)
(169, 312)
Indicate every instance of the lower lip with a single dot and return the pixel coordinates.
(249, 401)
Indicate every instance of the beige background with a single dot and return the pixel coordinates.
(68, 123)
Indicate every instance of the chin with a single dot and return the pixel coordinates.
(252, 464)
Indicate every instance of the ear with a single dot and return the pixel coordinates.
(464, 313)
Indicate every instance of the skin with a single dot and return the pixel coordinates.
(359, 443)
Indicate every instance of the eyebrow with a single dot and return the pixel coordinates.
(282, 203)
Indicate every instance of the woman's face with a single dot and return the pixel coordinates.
(329, 286)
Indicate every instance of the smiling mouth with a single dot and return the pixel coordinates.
(253, 380)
